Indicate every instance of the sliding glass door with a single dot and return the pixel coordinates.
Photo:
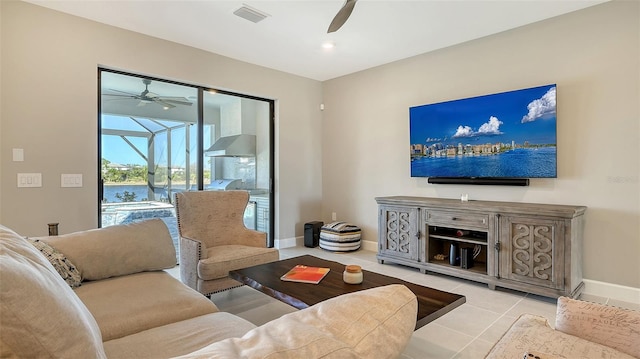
(158, 138)
(238, 151)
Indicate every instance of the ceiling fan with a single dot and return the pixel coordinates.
(146, 97)
(342, 16)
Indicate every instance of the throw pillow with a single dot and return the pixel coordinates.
(614, 327)
(62, 264)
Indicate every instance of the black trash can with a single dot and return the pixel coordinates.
(312, 233)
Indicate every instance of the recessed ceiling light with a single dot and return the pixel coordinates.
(328, 45)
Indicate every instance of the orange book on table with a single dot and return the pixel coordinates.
(305, 274)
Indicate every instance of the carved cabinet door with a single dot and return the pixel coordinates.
(532, 250)
(398, 232)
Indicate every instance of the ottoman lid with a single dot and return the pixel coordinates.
(340, 227)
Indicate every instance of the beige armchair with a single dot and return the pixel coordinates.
(214, 240)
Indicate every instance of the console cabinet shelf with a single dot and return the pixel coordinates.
(536, 248)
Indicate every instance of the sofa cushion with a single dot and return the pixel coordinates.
(373, 323)
(178, 338)
(130, 304)
(607, 325)
(41, 316)
(532, 332)
(62, 264)
(222, 259)
(118, 250)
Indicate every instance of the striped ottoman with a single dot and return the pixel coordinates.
(340, 237)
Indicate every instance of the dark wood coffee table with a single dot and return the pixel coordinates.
(432, 303)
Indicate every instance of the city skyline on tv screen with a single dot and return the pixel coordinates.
(509, 134)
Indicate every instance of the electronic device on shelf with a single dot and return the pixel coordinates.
(498, 139)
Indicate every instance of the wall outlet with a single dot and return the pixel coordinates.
(333, 216)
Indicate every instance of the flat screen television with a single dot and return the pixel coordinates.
(508, 135)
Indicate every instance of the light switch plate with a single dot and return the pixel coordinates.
(18, 155)
(71, 180)
(29, 179)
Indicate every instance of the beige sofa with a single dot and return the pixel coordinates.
(582, 330)
(124, 305)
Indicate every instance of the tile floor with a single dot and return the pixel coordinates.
(468, 331)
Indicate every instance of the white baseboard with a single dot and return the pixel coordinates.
(369, 246)
(299, 241)
(613, 291)
(288, 242)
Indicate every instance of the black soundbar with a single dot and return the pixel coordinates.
(480, 181)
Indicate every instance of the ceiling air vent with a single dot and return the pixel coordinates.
(250, 13)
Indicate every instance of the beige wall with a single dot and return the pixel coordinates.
(593, 56)
(48, 107)
(49, 101)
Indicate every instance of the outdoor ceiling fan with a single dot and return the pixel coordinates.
(342, 16)
(146, 97)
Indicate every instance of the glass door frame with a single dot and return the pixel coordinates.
(200, 139)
